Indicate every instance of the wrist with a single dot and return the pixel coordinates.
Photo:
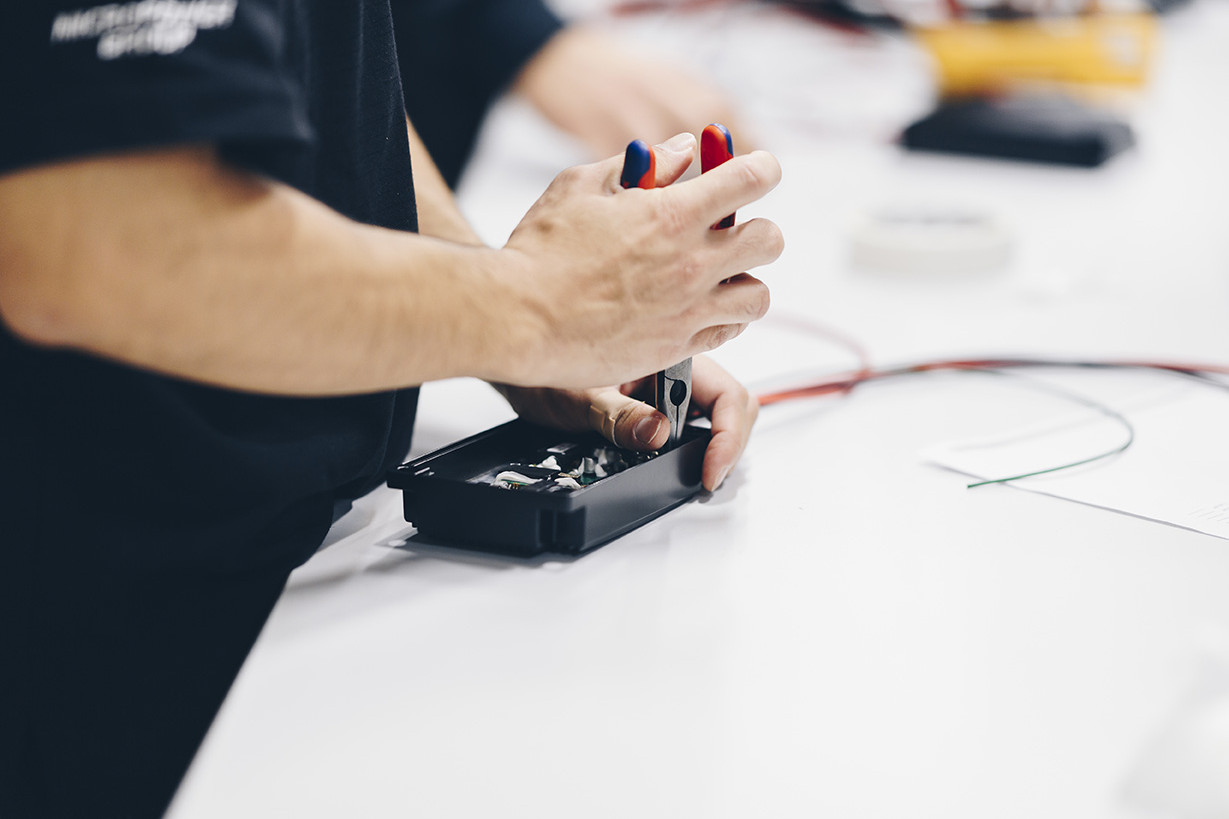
(508, 319)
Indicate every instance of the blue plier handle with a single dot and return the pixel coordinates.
(672, 386)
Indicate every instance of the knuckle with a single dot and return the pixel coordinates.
(691, 271)
(751, 176)
(766, 238)
(765, 168)
(731, 331)
(714, 337)
(677, 285)
(765, 301)
(757, 304)
(670, 219)
(569, 177)
(775, 239)
(625, 415)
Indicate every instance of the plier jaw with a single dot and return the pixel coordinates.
(672, 397)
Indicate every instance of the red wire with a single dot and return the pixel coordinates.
(845, 382)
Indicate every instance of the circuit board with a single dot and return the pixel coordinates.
(563, 467)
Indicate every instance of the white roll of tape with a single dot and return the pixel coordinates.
(930, 240)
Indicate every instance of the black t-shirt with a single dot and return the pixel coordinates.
(305, 92)
(147, 523)
(472, 50)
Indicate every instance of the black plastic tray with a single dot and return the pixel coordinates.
(444, 502)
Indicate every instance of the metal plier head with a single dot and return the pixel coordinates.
(672, 397)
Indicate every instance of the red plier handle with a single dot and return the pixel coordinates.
(716, 148)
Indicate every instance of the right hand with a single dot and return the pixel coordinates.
(618, 283)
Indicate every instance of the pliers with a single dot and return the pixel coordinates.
(672, 386)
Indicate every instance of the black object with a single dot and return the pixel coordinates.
(1053, 129)
(449, 496)
(456, 57)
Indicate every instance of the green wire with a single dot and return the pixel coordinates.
(1104, 409)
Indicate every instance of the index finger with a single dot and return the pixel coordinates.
(726, 188)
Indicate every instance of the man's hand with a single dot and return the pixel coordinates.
(605, 94)
(617, 282)
(220, 276)
(628, 422)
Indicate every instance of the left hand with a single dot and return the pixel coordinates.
(606, 94)
(630, 423)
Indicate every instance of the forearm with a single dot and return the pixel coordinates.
(174, 262)
(438, 212)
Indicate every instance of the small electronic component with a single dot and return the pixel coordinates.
(562, 467)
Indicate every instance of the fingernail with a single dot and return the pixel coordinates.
(721, 477)
(680, 143)
(646, 430)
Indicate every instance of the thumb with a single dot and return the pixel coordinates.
(673, 157)
(626, 422)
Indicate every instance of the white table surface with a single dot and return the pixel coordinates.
(843, 630)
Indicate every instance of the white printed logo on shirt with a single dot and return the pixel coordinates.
(142, 27)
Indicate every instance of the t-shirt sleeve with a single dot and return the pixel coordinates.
(88, 79)
(456, 57)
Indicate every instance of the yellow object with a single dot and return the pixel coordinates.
(977, 56)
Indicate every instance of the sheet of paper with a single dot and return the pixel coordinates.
(1176, 471)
